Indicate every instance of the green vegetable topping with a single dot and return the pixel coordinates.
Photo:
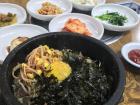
(114, 18)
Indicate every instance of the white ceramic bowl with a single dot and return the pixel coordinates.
(93, 25)
(132, 17)
(33, 5)
(15, 9)
(83, 7)
(7, 34)
(127, 48)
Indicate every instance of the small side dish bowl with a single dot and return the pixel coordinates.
(127, 48)
(34, 5)
(84, 7)
(132, 18)
(19, 11)
(94, 26)
(9, 33)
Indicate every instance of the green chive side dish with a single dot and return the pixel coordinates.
(114, 18)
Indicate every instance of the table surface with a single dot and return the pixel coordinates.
(131, 95)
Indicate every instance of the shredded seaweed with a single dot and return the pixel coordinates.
(87, 85)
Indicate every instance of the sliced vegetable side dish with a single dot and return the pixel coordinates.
(86, 2)
(77, 26)
(7, 19)
(60, 77)
(49, 9)
(15, 42)
(113, 18)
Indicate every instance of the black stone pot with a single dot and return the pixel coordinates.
(88, 46)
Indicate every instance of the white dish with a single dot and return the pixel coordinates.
(33, 5)
(94, 26)
(7, 34)
(127, 48)
(132, 17)
(83, 7)
(15, 9)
